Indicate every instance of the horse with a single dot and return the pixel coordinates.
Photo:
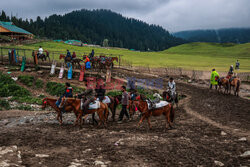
(43, 57)
(74, 61)
(223, 82)
(76, 103)
(167, 97)
(167, 111)
(235, 83)
(52, 102)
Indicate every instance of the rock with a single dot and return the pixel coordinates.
(122, 131)
(103, 165)
(14, 78)
(40, 72)
(218, 163)
(6, 67)
(223, 133)
(243, 139)
(27, 121)
(28, 70)
(99, 163)
(42, 155)
(189, 81)
(156, 137)
(245, 154)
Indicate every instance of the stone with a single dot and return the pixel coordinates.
(28, 70)
(218, 163)
(243, 139)
(245, 154)
(189, 81)
(99, 163)
(40, 72)
(223, 133)
(122, 131)
(42, 155)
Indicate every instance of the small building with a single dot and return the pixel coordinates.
(14, 32)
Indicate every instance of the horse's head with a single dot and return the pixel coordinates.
(44, 103)
(61, 56)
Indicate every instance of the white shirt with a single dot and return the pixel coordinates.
(40, 51)
(172, 86)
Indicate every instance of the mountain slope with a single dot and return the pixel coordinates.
(93, 26)
(233, 35)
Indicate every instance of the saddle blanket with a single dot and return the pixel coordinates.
(95, 105)
(158, 105)
(106, 100)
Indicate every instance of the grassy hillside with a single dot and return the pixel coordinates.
(198, 56)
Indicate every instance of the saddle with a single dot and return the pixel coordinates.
(156, 105)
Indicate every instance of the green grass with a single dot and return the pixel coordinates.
(191, 56)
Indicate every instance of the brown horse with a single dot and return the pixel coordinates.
(235, 83)
(43, 57)
(223, 82)
(75, 61)
(76, 103)
(167, 111)
(52, 102)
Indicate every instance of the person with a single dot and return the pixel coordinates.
(92, 53)
(124, 102)
(74, 55)
(133, 94)
(86, 59)
(68, 54)
(214, 79)
(68, 93)
(231, 70)
(40, 51)
(86, 98)
(100, 92)
(172, 87)
(237, 65)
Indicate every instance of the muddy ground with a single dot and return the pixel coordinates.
(211, 129)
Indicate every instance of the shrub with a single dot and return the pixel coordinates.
(5, 79)
(57, 89)
(24, 107)
(27, 99)
(39, 83)
(114, 93)
(4, 104)
(26, 80)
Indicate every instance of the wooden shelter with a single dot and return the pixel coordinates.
(14, 32)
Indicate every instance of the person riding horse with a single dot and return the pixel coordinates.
(40, 52)
(68, 93)
(100, 92)
(86, 98)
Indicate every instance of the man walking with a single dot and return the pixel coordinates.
(124, 102)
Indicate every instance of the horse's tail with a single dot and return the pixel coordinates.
(172, 113)
(238, 85)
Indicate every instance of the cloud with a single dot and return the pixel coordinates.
(174, 15)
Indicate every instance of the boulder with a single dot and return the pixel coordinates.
(28, 70)
(218, 163)
(40, 72)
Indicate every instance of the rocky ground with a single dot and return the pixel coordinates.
(211, 129)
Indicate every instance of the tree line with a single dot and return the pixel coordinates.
(94, 26)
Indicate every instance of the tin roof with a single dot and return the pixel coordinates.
(11, 27)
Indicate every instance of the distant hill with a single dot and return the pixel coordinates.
(231, 35)
(93, 26)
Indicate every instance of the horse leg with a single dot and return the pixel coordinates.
(149, 124)
(93, 119)
(141, 120)
(168, 121)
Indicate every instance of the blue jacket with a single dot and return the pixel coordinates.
(68, 92)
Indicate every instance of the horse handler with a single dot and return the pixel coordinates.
(214, 79)
(125, 103)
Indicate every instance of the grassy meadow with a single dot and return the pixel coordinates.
(197, 56)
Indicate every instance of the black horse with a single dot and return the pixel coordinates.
(171, 99)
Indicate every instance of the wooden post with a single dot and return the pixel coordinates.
(119, 60)
(2, 54)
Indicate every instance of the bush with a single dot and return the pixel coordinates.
(57, 89)
(39, 83)
(27, 99)
(5, 79)
(26, 80)
(24, 107)
(4, 104)
(114, 93)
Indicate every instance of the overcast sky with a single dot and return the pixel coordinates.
(173, 15)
